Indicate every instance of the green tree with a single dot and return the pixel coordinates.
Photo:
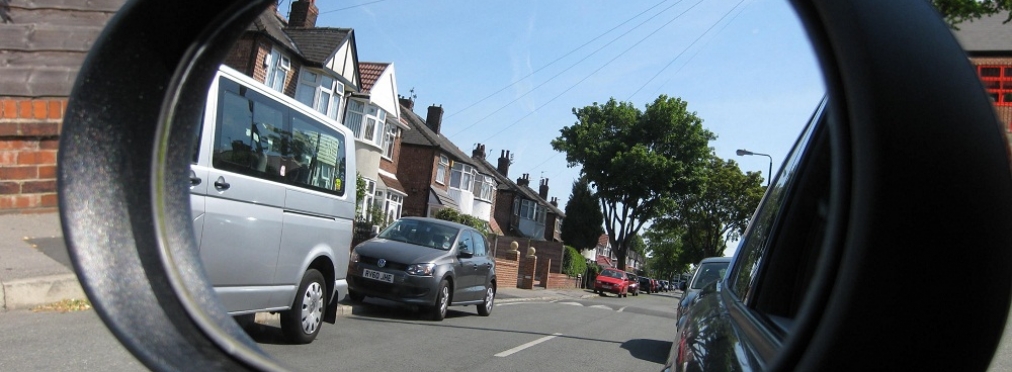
(452, 215)
(635, 159)
(955, 12)
(667, 257)
(719, 211)
(573, 263)
(582, 226)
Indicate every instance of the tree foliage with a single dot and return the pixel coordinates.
(452, 215)
(955, 12)
(635, 159)
(667, 257)
(582, 226)
(718, 212)
(573, 263)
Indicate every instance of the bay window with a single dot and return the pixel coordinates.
(461, 176)
(366, 121)
(483, 186)
(321, 92)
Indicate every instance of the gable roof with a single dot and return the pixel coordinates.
(370, 72)
(272, 24)
(317, 44)
(988, 34)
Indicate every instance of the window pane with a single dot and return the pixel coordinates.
(305, 94)
(324, 102)
(990, 71)
(370, 128)
(317, 156)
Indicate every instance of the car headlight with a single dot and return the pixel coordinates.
(420, 269)
(354, 257)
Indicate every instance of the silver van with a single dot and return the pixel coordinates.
(272, 189)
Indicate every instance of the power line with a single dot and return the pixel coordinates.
(353, 6)
(595, 71)
(577, 62)
(557, 59)
(686, 49)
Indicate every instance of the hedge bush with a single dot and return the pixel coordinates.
(574, 264)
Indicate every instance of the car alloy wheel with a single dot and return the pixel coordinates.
(442, 301)
(485, 308)
(301, 323)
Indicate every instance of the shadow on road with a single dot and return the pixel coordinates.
(648, 350)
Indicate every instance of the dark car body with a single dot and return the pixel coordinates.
(388, 265)
(645, 285)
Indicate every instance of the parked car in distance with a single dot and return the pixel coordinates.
(634, 284)
(664, 286)
(612, 280)
(272, 212)
(645, 285)
(427, 263)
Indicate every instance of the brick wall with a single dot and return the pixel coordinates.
(29, 135)
(561, 281)
(541, 273)
(506, 270)
(502, 211)
(415, 172)
(544, 250)
(526, 272)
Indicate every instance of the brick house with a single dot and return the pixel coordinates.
(604, 256)
(319, 66)
(988, 45)
(44, 45)
(437, 174)
(519, 210)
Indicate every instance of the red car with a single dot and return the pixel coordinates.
(612, 280)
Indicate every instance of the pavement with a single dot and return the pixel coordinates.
(35, 268)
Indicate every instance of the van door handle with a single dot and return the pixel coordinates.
(194, 180)
(220, 184)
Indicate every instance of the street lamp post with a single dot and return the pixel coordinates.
(743, 152)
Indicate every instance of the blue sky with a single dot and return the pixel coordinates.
(745, 67)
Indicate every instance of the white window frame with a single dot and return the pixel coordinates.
(368, 128)
(389, 135)
(444, 163)
(278, 65)
(367, 202)
(483, 186)
(465, 176)
(393, 206)
(313, 91)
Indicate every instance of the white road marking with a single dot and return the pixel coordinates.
(527, 345)
(570, 303)
(599, 307)
(620, 310)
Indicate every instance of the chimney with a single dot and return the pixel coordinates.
(554, 202)
(524, 180)
(434, 118)
(406, 102)
(304, 13)
(478, 152)
(543, 189)
(505, 159)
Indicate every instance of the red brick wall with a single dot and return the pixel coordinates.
(415, 172)
(390, 165)
(29, 135)
(542, 272)
(561, 281)
(526, 272)
(506, 270)
(544, 250)
(502, 211)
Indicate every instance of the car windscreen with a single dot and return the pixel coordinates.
(423, 233)
(613, 274)
(708, 273)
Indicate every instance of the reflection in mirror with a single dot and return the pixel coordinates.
(431, 93)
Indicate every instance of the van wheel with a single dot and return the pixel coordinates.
(302, 322)
(485, 307)
(438, 312)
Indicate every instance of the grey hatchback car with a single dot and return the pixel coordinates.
(425, 262)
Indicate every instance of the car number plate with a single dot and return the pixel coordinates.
(378, 275)
(606, 285)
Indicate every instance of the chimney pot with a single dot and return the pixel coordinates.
(543, 189)
(504, 163)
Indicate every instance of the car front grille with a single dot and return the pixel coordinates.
(389, 264)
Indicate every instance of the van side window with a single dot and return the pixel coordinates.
(317, 154)
(260, 137)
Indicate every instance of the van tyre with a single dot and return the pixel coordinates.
(438, 310)
(302, 322)
(485, 307)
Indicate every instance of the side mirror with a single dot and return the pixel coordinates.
(465, 251)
